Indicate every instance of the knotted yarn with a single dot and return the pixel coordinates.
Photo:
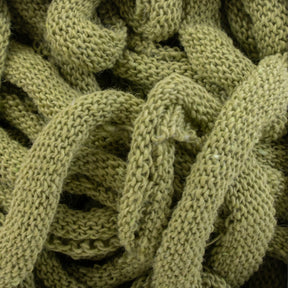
(143, 144)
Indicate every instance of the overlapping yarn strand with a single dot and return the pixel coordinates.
(143, 143)
(216, 176)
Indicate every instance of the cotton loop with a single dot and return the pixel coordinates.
(201, 193)
(155, 147)
(143, 144)
(76, 47)
(36, 230)
(151, 19)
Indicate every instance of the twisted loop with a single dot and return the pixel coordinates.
(211, 176)
(75, 47)
(143, 143)
(154, 20)
(42, 201)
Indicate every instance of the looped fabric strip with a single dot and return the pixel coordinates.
(246, 119)
(143, 143)
(38, 166)
(74, 45)
(154, 20)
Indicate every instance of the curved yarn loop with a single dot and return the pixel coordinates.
(233, 155)
(37, 224)
(76, 47)
(143, 143)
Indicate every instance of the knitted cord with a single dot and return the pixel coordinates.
(143, 143)
(37, 226)
(215, 173)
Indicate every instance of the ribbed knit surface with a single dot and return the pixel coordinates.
(143, 144)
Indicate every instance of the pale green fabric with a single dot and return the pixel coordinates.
(143, 143)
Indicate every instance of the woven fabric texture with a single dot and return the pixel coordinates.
(143, 144)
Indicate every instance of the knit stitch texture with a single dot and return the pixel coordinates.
(143, 144)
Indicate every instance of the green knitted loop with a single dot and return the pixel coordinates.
(34, 227)
(76, 47)
(152, 19)
(204, 181)
(143, 143)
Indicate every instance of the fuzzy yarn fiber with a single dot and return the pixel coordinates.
(143, 143)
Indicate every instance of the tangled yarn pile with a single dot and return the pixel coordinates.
(143, 143)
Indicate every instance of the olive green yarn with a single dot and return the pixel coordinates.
(143, 144)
